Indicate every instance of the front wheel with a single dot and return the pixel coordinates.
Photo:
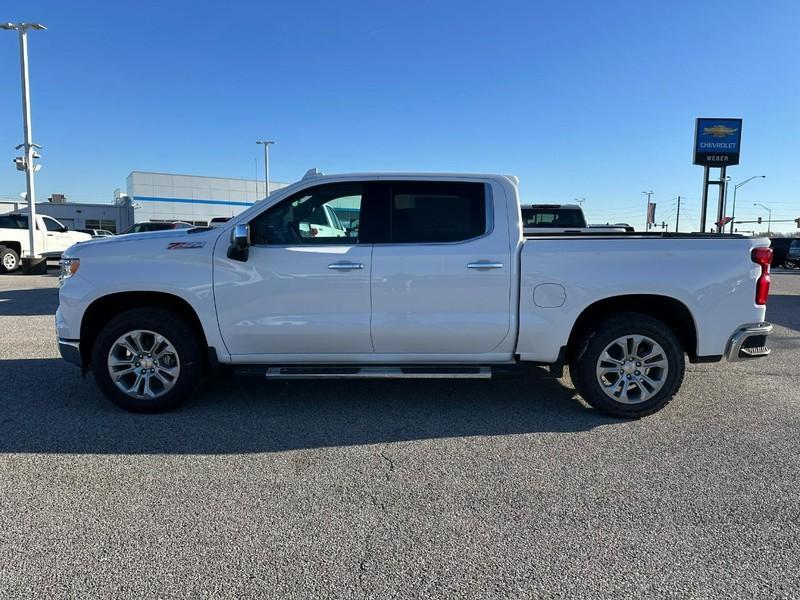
(9, 259)
(629, 366)
(146, 360)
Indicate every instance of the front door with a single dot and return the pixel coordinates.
(56, 238)
(304, 289)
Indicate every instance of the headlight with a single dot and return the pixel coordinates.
(68, 268)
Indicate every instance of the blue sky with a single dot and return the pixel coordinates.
(591, 100)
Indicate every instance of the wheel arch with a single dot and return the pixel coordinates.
(672, 312)
(15, 246)
(103, 309)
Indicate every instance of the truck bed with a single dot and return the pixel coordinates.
(712, 278)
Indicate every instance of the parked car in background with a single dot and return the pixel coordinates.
(218, 221)
(438, 281)
(50, 236)
(157, 226)
(96, 233)
(792, 260)
(780, 248)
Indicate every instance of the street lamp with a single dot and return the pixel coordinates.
(267, 144)
(33, 262)
(736, 187)
(647, 218)
(769, 216)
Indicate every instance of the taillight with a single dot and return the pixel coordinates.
(763, 258)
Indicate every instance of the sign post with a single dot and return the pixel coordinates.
(716, 144)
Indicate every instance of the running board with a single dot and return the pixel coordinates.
(379, 373)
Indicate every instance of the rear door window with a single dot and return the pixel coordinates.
(436, 211)
(13, 222)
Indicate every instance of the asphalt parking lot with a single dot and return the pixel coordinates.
(506, 489)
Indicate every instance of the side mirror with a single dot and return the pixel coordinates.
(64, 229)
(240, 243)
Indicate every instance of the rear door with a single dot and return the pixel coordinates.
(441, 284)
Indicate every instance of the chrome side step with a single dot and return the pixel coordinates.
(442, 372)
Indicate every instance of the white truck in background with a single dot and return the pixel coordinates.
(562, 218)
(50, 236)
(435, 279)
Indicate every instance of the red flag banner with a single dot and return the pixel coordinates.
(651, 213)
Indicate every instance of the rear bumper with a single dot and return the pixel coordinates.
(749, 341)
(70, 351)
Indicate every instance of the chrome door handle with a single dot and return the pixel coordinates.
(345, 266)
(485, 265)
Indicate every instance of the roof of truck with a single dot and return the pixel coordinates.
(313, 174)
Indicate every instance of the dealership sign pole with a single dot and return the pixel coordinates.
(716, 144)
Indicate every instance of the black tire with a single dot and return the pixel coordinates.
(583, 366)
(179, 334)
(8, 255)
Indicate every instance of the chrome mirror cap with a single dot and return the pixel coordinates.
(240, 243)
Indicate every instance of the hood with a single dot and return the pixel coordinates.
(131, 242)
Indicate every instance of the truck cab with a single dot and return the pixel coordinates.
(50, 236)
(552, 218)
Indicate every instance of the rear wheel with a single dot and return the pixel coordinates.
(629, 366)
(146, 360)
(9, 259)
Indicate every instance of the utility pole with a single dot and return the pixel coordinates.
(267, 144)
(678, 216)
(33, 263)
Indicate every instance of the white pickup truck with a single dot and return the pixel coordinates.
(435, 279)
(50, 236)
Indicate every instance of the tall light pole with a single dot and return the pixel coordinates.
(769, 216)
(647, 218)
(267, 144)
(736, 187)
(27, 162)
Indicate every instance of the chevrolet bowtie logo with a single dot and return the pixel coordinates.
(719, 131)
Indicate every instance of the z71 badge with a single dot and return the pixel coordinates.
(184, 245)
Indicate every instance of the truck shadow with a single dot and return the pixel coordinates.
(37, 301)
(64, 414)
(784, 310)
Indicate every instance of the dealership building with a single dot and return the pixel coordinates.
(116, 217)
(190, 198)
(154, 197)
